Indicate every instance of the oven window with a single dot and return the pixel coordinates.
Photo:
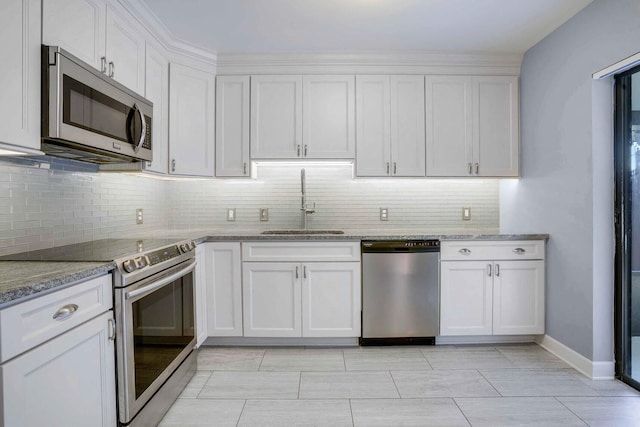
(163, 326)
(89, 109)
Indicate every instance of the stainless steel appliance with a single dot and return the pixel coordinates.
(88, 116)
(400, 289)
(155, 318)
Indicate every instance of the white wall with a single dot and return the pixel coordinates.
(566, 185)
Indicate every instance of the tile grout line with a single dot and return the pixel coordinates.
(353, 421)
(395, 385)
(569, 409)
(455, 402)
(490, 383)
(244, 405)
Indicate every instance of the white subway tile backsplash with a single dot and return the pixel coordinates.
(44, 207)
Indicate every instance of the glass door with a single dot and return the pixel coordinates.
(627, 227)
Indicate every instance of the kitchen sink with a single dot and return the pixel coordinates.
(303, 232)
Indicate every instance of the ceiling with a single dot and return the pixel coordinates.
(267, 26)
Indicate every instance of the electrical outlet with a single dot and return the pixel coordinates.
(466, 214)
(139, 217)
(231, 214)
(384, 214)
(264, 214)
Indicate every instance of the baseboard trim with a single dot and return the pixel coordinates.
(280, 342)
(593, 370)
(484, 339)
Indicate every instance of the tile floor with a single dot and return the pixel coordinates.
(485, 385)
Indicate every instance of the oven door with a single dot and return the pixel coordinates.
(156, 332)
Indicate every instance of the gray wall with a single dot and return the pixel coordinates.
(566, 184)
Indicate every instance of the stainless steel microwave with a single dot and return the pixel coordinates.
(88, 116)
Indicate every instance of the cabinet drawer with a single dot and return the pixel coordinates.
(26, 325)
(458, 250)
(301, 251)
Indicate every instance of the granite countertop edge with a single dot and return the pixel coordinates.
(20, 282)
(50, 276)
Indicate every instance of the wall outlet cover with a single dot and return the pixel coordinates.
(264, 214)
(384, 214)
(466, 214)
(231, 214)
(139, 216)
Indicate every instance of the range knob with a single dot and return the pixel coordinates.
(141, 262)
(184, 248)
(129, 265)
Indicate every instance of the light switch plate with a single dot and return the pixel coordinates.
(231, 214)
(466, 214)
(264, 214)
(139, 217)
(384, 214)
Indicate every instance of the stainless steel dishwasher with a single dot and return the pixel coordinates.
(400, 292)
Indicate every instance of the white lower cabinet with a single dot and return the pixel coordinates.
(201, 296)
(288, 294)
(223, 288)
(484, 296)
(70, 379)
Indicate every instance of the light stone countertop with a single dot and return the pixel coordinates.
(22, 280)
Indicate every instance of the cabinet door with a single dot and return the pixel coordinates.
(201, 295)
(125, 51)
(232, 126)
(496, 126)
(191, 121)
(449, 113)
(77, 26)
(466, 298)
(329, 117)
(271, 299)
(276, 117)
(157, 91)
(518, 298)
(331, 299)
(373, 135)
(20, 73)
(407, 126)
(68, 381)
(224, 289)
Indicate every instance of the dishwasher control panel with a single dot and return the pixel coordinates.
(401, 245)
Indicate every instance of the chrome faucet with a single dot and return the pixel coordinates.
(306, 210)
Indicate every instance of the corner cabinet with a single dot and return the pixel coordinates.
(390, 126)
(232, 126)
(492, 288)
(472, 126)
(20, 75)
(301, 289)
(191, 121)
(60, 371)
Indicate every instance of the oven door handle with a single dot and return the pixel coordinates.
(145, 290)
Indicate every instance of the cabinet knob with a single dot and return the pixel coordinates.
(103, 65)
(173, 165)
(112, 69)
(464, 251)
(306, 150)
(297, 272)
(244, 168)
(387, 168)
(298, 150)
(395, 168)
(489, 270)
(470, 168)
(497, 270)
(477, 168)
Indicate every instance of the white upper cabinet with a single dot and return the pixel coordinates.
(98, 34)
(407, 126)
(328, 117)
(449, 113)
(276, 117)
(157, 91)
(496, 126)
(373, 148)
(20, 74)
(472, 126)
(232, 126)
(124, 51)
(390, 126)
(191, 121)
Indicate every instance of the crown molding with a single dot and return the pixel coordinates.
(152, 24)
(372, 63)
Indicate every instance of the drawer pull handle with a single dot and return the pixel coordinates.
(65, 312)
(464, 251)
(112, 329)
(497, 270)
(489, 270)
(519, 251)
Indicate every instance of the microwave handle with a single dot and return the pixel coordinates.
(145, 290)
(143, 131)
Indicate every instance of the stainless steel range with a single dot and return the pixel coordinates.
(154, 304)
